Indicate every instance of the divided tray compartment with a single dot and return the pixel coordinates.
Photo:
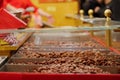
(63, 41)
(31, 68)
(60, 53)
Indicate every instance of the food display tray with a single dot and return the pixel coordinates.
(29, 68)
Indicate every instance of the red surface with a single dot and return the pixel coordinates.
(9, 21)
(69, 77)
(22, 4)
(28, 76)
(115, 50)
(1, 3)
(10, 76)
(99, 41)
(103, 44)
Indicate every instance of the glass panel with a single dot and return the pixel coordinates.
(98, 23)
(65, 29)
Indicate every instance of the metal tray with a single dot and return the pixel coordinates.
(52, 49)
(60, 37)
(59, 41)
(22, 53)
(106, 61)
(31, 68)
(66, 45)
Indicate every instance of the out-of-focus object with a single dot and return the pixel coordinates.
(17, 39)
(90, 12)
(1, 3)
(47, 25)
(108, 13)
(11, 39)
(58, 9)
(29, 17)
(9, 21)
(2, 42)
(7, 39)
(30, 9)
(2, 60)
(81, 14)
(18, 14)
(116, 36)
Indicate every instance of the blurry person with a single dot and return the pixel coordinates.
(108, 4)
(7, 37)
(92, 4)
(114, 6)
(97, 9)
(81, 3)
(24, 4)
(7, 6)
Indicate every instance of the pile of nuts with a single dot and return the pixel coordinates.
(90, 43)
(57, 54)
(100, 61)
(63, 44)
(78, 61)
(69, 68)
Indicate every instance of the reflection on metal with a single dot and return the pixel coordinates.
(81, 17)
(107, 13)
(90, 12)
(108, 38)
